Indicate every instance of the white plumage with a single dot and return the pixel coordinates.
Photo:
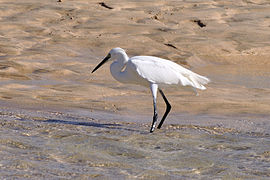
(162, 71)
(151, 71)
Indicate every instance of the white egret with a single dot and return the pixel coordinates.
(151, 72)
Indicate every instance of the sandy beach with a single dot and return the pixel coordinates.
(60, 121)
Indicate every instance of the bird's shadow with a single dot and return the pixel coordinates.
(91, 124)
(99, 125)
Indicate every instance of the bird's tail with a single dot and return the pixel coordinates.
(197, 81)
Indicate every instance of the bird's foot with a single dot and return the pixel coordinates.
(155, 117)
(152, 129)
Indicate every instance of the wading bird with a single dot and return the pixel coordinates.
(151, 72)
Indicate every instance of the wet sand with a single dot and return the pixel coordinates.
(58, 120)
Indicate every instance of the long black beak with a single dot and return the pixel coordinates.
(102, 62)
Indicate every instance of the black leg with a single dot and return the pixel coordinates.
(168, 108)
(155, 117)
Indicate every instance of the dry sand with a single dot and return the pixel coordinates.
(48, 49)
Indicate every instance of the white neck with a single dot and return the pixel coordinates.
(118, 65)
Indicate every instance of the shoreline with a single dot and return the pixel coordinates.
(246, 123)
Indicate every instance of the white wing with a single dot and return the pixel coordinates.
(162, 71)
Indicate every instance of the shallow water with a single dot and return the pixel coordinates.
(54, 144)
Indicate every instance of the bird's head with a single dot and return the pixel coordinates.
(115, 53)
